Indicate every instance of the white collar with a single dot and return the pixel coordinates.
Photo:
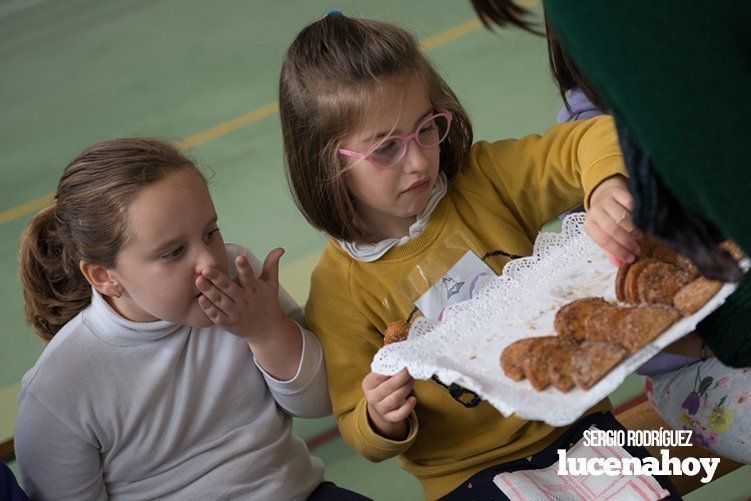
(371, 252)
(111, 327)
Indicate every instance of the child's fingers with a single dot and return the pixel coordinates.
(615, 221)
(395, 399)
(624, 197)
(602, 219)
(372, 381)
(620, 214)
(403, 412)
(270, 271)
(216, 315)
(245, 274)
(380, 386)
(617, 233)
(396, 381)
(222, 282)
(399, 380)
(612, 259)
(213, 294)
(608, 244)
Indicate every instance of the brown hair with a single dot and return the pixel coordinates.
(332, 70)
(565, 73)
(86, 222)
(501, 13)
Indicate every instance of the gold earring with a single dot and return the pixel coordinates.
(118, 295)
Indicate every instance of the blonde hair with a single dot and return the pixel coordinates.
(330, 72)
(86, 222)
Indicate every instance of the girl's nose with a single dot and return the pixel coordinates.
(204, 260)
(415, 159)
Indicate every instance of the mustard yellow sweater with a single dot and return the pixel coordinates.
(494, 207)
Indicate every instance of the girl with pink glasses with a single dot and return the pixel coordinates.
(380, 157)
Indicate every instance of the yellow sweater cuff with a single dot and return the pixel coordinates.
(376, 447)
(598, 172)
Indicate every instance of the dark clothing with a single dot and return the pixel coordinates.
(329, 491)
(676, 75)
(9, 488)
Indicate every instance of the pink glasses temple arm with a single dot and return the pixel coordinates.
(352, 154)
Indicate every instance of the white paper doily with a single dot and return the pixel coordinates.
(465, 346)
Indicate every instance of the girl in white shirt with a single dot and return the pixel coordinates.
(174, 361)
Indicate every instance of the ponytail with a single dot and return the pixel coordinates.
(54, 288)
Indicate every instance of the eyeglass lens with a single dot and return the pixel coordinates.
(430, 133)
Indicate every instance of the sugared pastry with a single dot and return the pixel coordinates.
(630, 288)
(603, 324)
(513, 357)
(694, 295)
(620, 282)
(644, 323)
(592, 361)
(537, 360)
(647, 246)
(733, 249)
(559, 368)
(570, 319)
(659, 282)
(663, 253)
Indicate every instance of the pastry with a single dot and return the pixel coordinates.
(603, 324)
(642, 324)
(647, 245)
(559, 368)
(733, 249)
(620, 282)
(630, 290)
(537, 360)
(663, 253)
(659, 282)
(595, 335)
(694, 295)
(514, 355)
(396, 331)
(592, 361)
(569, 321)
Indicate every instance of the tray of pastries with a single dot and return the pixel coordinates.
(559, 330)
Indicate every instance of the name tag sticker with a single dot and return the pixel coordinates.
(460, 283)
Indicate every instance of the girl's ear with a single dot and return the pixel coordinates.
(101, 279)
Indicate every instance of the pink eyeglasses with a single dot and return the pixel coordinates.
(430, 133)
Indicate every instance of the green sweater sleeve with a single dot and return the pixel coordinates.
(727, 331)
(677, 75)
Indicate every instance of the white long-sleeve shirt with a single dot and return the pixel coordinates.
(126, 410)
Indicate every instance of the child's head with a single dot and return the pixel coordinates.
(351, 84)
(134, 219)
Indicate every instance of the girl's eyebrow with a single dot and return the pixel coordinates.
(166, 245)
(383, 134)
(174, 241)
